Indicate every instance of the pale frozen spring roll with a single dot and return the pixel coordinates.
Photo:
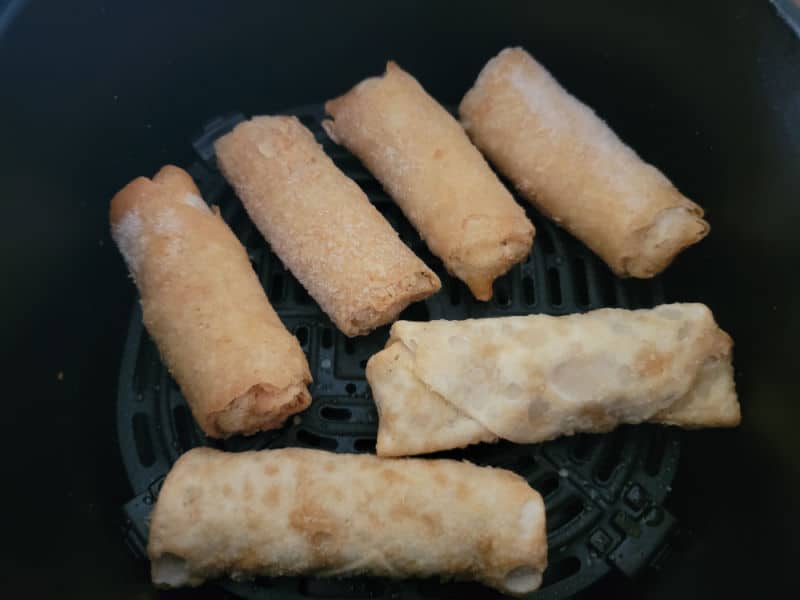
(569, 164)
(322, 225)
(308, 512)
(443, 185)
(447, 384)
(238, 367)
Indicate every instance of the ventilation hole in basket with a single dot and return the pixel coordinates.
(655, 451)
(579, 279)
(302, 335)
(315, 441)
(524, 463)
(547, 484)
(610, 458)
(559, 571)
(349, 164)
(144, 443)
(564, 514)
(309, 121)
(554, 286)
(363, 363)
(455, 292)
(173, 385)
(365, 445)
(416, 312)
(582, 446)
(608, 295)
(639, 294)
(327, 338)
(184, 427)
(350, 388)
(146, 366)
(528, 291)
(276, 287)
(545, 241)
(301, 295)
(502, 291)
(335, 413)
(349, 346)
(385, 207)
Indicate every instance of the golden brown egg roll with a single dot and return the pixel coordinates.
(308, 512)
(322, 225)
(239, 368)
(447, 384)
(443, 185)
(570, 165)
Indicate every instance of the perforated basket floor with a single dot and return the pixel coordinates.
(603, 493)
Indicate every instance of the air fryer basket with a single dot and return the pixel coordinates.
(603, 493)
(95, 93)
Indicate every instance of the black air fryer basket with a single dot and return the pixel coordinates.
(99, 93)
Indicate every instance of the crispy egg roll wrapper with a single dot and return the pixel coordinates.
(443, 185)
(322, 225)
(239, 368)
(308, 512)
(570, 165)
(447, 384)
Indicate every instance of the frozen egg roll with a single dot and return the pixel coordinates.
(309, 512)
(569, 164)
(443, 185)
(238, 367)
(446, 384)
(322, 225)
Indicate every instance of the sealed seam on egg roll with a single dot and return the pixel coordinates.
(308, 512)
(570, 165)
(447, 384)
(322, 225)
(424, 160)
(239, 368)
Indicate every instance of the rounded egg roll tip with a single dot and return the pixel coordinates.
(396, 298)
(261, 408)
(658, 245)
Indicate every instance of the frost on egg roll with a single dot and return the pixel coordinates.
(569, 164)
(427, 164)
(322, 225)
(446, 384)
(238, 367)
(308, 512)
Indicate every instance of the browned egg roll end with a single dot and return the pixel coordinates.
(239, 368)
(672, 231)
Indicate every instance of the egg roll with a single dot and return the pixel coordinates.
(443, 185)
(322, 225)
(308, 512)
(238, 367)
(447, 384)
(572, 167)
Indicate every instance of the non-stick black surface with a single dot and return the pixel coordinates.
(95, 93)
